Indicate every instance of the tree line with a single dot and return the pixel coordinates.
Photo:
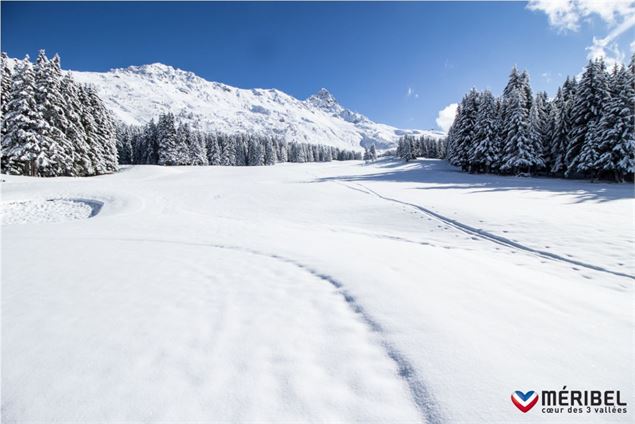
(51, 125)
(586, 131)
(410, 147)
(168, 142)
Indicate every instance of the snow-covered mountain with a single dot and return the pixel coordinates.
(139, 93)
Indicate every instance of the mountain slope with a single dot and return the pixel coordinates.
(139, 93)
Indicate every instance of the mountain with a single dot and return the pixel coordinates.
(139, 93)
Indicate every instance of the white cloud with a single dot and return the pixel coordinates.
(561, 13)
(567, 15)
(446, 116)
(608, 43)
(411, 93)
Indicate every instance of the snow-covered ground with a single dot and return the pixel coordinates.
(333, 292)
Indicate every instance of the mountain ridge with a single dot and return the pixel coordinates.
(139, 93)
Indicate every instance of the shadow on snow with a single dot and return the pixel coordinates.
(448, 177)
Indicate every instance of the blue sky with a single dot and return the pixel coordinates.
(398, 63)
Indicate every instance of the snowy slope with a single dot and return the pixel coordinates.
(139, 93)
(322, 292)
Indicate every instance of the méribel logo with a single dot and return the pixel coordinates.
(524, 401)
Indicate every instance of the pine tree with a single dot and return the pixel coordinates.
(484, 155)
(588, 157)
(560, 139)
(75, 132)
(24, 127)
(366, 156)
(464, 136)
(124, 144)
(270, 153)
(537, 123)
(105, 143)
(52, 106)
(588, 104)
(283, 155)
(183, 154)
(616, 145)
(228, 151)
(198, 149)
(519, 154)
(169, 148)
(213, 150)
(5, 86)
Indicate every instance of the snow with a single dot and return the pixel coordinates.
(315, 292)
(50, 210)
(138, 94)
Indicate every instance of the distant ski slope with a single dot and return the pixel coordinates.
(139, 93)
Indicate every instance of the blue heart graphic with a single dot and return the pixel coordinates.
(525, 396)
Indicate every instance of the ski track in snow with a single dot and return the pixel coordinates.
(421, 396)
(484, 235)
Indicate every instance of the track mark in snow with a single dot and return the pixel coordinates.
(482, 234)
(421, 396)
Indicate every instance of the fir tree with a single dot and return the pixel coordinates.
(5, 85)
(484, 155)
(24, 127)
(52, 107)
(616, 145)
(270, 152)
(169, 146)
(519, 154)
(587, 107)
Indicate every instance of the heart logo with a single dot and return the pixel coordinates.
(524, 401)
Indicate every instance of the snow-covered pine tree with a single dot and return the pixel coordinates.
(549, 133)
(542, 124)
(484, 154)
(617, 127)
(406, 149)
(198, 149)
(297, 153)
(150, 139)
(537, 122)
(373, 153)
(589, 153)
(519, 155)
(106, 137)
(513, 82)
(52, 106)
(588, 104)
(184, 144)
(213, 150)
(95, 148)
(24, 127)
(124, 143)
(228, 150)
(255, 155)
(169, 149)
(75, 132)
(466, 129)
(451, 139)
(5, 85)
(283, 155)
(242, 150)
(270, 152)
(563, 104)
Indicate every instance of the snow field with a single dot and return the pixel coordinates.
(293, 293)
